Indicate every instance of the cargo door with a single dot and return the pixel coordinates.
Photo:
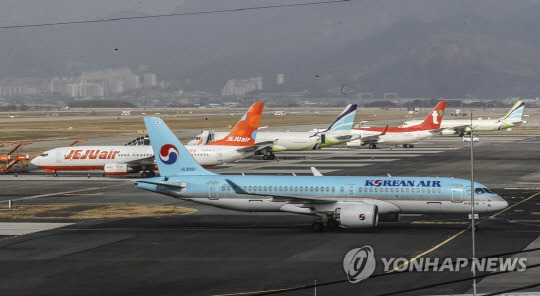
(213, 188)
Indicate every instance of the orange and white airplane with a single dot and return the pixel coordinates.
(138, 156)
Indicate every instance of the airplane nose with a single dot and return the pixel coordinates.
(501, 204)
(35, 161)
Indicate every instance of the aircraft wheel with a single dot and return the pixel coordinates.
(265, 157)
(144, 175)
(317, 226)
(55, 174)
(332, 224)
(272, 156)
(411, 146)
(151, 174)
(372, 146)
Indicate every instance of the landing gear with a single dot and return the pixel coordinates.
(332, 224)
(317, 226)
(144, 175)
(408, 146)
(151, 174)
(55, 174)
(372, 146)
(269, 156)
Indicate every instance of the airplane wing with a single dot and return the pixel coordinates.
(257, 146)
(295, 198)
(168, 185)
(142, 161)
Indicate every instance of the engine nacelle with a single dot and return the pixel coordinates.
(117, 169)
(448, 132)
(358, 215)
(355, 144)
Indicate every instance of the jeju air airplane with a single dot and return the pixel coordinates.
(407, 137)
(137, 156)
(340, 201)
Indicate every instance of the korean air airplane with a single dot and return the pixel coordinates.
(137, 156)
(462, 126)
(340, 201)
(338, 132)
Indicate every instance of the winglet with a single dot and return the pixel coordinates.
(316, 172)
(384, 130)
(236, 187)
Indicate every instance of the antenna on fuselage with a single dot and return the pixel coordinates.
(389, 175)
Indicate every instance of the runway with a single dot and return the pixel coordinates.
(220, 252)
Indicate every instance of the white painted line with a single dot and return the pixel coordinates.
(21, 228)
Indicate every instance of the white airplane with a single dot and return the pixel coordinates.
(338, 132)
(137, 156)
(462, 126)
(346, 201)
(407, 137)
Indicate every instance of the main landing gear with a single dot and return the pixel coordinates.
(148, 174)
(372, 146)
(318, 226)
(408, 146)
(269, 156)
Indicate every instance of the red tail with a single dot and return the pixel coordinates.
(245, 131)
(434, 118)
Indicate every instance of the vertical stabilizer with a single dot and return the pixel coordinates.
(434, 119)
(345, 120)
(516, 112)
(171, 156)
(244, 132)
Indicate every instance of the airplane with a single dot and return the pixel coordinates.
(137, 156)
(343, 201)
(407, 137)
(462, 126)
(338, 132)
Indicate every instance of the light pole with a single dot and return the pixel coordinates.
(472, 209)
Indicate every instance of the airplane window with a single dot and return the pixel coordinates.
(322, 189)
(244, 188)
(402, 189)
(260, 188)
(254, 188)
(417, 189)
(286, 188)
(333, 189)
(392, 189)
(440, 190)
(423, 190)
(487, 190)
(306, 188)
(341, 189)
(371, 189)
(290, 188)
(428, 190)
(386, 189)
(359, 189)
(407, 189)
(275, 188)
(280, 188)
(228, 187)
(223, 188)
(311, 188)
(478, 191)
(301, 188)
(376, 189)
(295, 188)
(327, 189)
(265, 188)
(316, 188)
(249, 188)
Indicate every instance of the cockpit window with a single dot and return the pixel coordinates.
(479, 191)
(487, 190)
(44, 154)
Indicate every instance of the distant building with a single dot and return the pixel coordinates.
(149, 80)
(239, 87)
(85, 90)
(280, 79)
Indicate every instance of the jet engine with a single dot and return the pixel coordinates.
(448, 132)
(117, 169)
(358, 215)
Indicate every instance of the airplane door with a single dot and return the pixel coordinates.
(59, 156)
(457, 193)
(219, 156)
(213, 190)
(351, 189)
(323, 138)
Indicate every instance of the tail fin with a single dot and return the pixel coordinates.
(345, 120)
(516, 112)
(434, 118)
(245, 131)
(171, 156)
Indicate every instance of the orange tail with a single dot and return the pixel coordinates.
(245, 131)
(434, 118)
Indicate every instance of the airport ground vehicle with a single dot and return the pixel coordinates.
(350, 202)
(467, 138)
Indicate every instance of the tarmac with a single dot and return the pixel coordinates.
(219, 252)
